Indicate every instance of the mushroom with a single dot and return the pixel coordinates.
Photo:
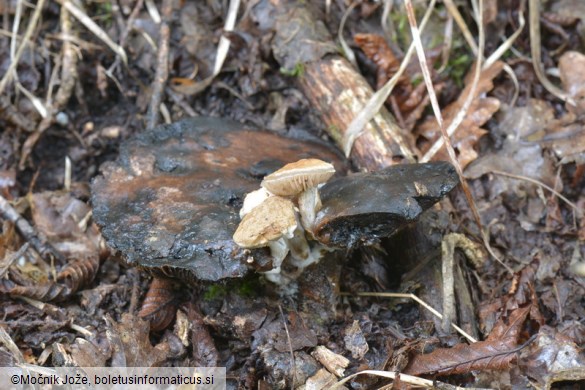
(254, 199)
(177, 214)
(362, 208)
(301, 179)
(294, 178)
(268, 225)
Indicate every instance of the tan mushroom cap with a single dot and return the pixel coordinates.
(269, 221)
(294, 178)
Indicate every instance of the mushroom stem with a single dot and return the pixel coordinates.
(309, 203)
(299, 247)
(278, 249)
(313, 257)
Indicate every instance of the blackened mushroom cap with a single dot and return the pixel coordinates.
(170, 202)
(361, 208)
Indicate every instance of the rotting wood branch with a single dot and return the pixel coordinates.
(335, 88)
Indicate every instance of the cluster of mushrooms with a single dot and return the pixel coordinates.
(280, 215)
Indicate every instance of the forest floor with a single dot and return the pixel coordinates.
(77, 83)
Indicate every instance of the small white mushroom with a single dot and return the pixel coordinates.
(269, 224)
(294, 178)
(254, 199)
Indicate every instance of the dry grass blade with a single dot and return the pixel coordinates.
(153, 11)
(420, 302)
(410, 379)
(578, 211)
(11, 71)
(224, 43)
(346, 49)
(507, 44)
(454, 12)
(458, 118)
(356, 126)
(94, 28)
(534, 15)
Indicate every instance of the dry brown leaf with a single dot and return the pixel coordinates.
(130, 343)
(469, 131)
(571, 65)
(518, 313)
(159, 305)
(58, 216)
(204, 351)
(406, 101)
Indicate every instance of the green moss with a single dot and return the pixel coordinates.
(215, 291)
(458, 66)
(297, 71)
(248, 287)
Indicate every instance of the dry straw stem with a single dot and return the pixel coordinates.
(162, 67)
(94, 28)
(576, 208)
(496, 55)
(534, 16)
(349, 54)
(460, 115)
(419, 301)
(404, 378)
(11, 71)
(222, 51)
(355, 128)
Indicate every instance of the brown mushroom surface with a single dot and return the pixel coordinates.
(361, 208)
(170, 202)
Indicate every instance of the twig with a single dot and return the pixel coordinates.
(94, 28)
(162, 66)
(534, 16)
(474, 254)
(27, 231)
(126, 31)
(292, 354)
(32, 24)
(11, 258)
(68, 64)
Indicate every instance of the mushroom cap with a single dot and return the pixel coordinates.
(294, 178)
(361, 208)
(170, 201)
(270, 221)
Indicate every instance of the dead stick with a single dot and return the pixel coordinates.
(45, 250)
(335, 88)
(162, 66)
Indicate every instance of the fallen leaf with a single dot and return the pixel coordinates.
(469, 131)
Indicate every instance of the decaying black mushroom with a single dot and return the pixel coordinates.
(361, 208)
(171, 201)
